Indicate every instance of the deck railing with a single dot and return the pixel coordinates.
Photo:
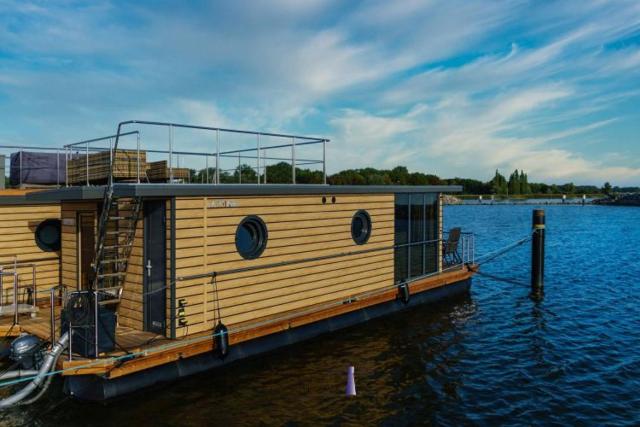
(18, 297)
(211, 162)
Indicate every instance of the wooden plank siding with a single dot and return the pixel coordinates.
(18, 224)
(299, 228)
(69, 258)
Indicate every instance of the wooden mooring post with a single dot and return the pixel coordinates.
(537, 252)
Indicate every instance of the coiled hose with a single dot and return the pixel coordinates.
(48, 364)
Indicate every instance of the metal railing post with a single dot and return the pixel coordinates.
(95, 323)
(170, 154)
(87, 161)
(264, 165)
(57, 168)
(258, 156)
(239, 170)
(217, 157)
(15, 298)
(206, 167)
(33, 283)
(20, 179)
(138, 155)
(293, 160)
(66, 166)
(324, 161)
(52, 320)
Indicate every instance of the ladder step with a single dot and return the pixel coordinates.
(111, 261)
(118, 232)
(120, 218)
(107, 275)
(124, 245)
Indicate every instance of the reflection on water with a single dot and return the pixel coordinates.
(491, 357)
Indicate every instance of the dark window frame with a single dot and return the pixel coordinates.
(55, 222)
(261, 239)
(365, 230)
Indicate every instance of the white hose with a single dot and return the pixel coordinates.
(47, 365)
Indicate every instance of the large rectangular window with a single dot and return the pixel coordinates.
(416, 249)
(401, 236)
(416, 235)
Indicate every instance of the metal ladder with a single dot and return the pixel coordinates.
(115, 236)
(119, 234)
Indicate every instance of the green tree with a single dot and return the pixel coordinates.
(498, 184)
(606, 188)
(399, 175)
(514, 183)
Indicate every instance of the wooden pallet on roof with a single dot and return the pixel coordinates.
(126, 164)
(158, 171)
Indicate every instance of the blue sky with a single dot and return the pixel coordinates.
(455, 88)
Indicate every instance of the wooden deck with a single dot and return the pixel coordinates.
(127, 339)
(149, 350)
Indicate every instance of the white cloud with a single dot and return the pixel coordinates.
(458, 87)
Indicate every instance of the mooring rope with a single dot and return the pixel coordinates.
(499, 252)
(501, 279)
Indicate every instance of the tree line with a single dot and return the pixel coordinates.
(517, 183)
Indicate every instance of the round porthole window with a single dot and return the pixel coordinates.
(48, 235)
(361, 227)
(251, 237)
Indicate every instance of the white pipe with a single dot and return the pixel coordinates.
(49, 362)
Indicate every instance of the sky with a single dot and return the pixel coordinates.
(453, 88)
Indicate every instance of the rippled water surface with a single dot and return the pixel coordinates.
(494, 356)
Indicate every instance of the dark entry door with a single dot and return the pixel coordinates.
(155, 266)
(86, 248)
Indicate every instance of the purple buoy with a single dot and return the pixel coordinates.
(351, 382)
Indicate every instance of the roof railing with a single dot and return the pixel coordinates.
(260, 153)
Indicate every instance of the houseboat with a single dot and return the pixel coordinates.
(153, 273)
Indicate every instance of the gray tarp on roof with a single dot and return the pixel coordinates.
(29, 167)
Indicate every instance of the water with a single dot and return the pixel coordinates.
(494, 356)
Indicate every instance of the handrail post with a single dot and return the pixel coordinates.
(206, 167)
(239, 170)
(258, 156)
(87, 161)
(217, 157)
(15, 298)
(264, 165)
(324, 161)
(95, 322)
(138, 155)
(52, 323)
(293, 160)
(170, 154)
(57, 168)
(33, 283)
(20, 179)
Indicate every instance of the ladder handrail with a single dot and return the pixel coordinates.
(104, 215)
